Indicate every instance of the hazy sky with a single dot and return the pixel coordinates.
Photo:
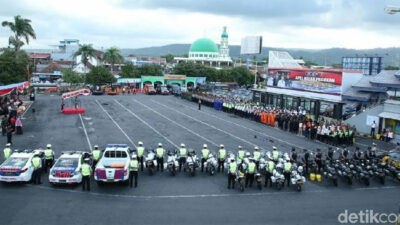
(144, 23)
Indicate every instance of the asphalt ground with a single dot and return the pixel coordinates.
(162, 199)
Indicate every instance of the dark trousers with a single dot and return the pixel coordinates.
(319, 165)
(140, 159)
(203, 160)
(182, 161)
(86, 183)
(9, 137)
(231, 180)
(48, 164)
(199, 106)
(268, 179)
(287, 177)
(160, 163)
(36, 175)
(133, 174)
(221, 165)
(94, 164)
(249, 177)
(372, 132)
(3, 131)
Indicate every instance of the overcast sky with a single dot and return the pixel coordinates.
(316, 24)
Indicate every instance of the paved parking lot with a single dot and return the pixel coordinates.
(162, 199)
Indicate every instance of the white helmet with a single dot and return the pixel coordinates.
(205, 146)
(48, 146)
(159, 145)
(182, 145)
(239, 147)
(221, 146)
(274, 148)
(256, 148)
(140, 143)
(8, 144)
(95, 147)
(134, 156)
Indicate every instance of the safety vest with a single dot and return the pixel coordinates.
(134, 165)
(36, 162)
(222, 153)
(48, 153)
(328, 132)
(288, 166)
(241, 154)
(96, 154)
(252, 167)
(7, 152)
(85, 169)
(256, 155)
(140, 151)
(275, 155)
(334, 134)
(346, 133)
(271, 166)
(205, 152)
(350, 132)
(182, 152)
(160, 152)
(232, 167)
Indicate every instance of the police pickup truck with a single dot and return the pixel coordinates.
(19, 167)
(114, 165)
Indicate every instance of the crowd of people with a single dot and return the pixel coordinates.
(295, 121)
(11, 109)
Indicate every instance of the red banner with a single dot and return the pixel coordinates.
(75, 93)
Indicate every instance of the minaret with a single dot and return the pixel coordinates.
(224, 48)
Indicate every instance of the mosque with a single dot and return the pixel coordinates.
(205, 51)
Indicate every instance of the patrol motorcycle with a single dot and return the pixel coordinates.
(331, 174)
(277, 178)
(172, 162)
(211, 164)
(151, 162)
(296, 177)
(362, 175)
(258, 179)
(191, 164)
(346, 173)
(240, 180)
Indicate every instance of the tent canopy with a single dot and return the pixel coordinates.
(6, 89)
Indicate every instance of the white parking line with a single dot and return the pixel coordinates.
(116, 124)
(204, 195)
(239, 125)
(84, 130)
(174, 122)
(209, 125)
(137, 117)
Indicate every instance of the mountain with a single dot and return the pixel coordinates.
(391, 56)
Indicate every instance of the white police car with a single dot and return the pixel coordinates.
(67, 168)
(19, 167)
(114, 165)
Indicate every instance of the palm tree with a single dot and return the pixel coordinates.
(113, 56)
(85, 51)
(22, 30)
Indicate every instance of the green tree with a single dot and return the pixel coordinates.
(13, 66)
(241, 75)
(150, 69)
(392, 68)
(22, 30)
(113, 56)
(72, 77)
(309, 63)
(99, 75)
(169, 57)
(85, 51)
(129, 71)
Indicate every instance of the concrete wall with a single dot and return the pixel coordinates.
(360, 120)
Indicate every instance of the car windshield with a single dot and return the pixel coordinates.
(16, 162)
(115, 154)
(67, 162)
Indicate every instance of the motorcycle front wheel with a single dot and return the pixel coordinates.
(298, 187)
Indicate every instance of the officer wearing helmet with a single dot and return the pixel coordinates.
(37, 169)
(293, 155)
(204, 156)
(133, 170)
(86, 171)
(49, 158)
(240, 152)
(275, 154)
(96, 153)
(182, 156)
(287, 171)
(257, 156)
(160, 157)
(232, 174)
(140, 152)
(221, 158)
(7, 151)
(251, 169)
